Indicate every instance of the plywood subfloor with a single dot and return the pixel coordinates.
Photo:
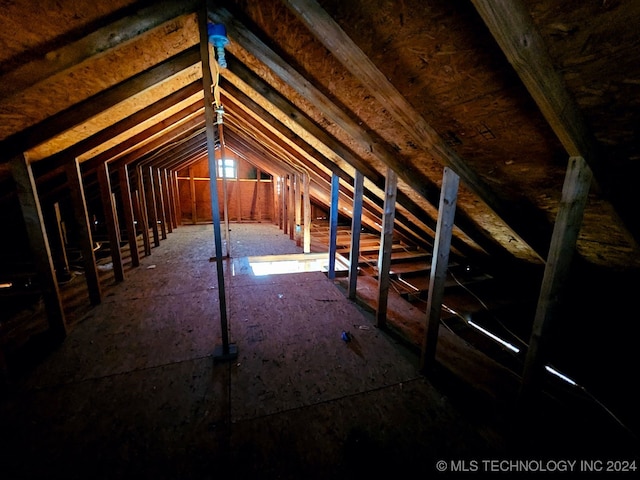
(134, 390)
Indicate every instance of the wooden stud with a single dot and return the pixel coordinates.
(159, 198)
(307, 214)
(439, 266)
(166, 199)
(331, 35)
(76, 191)
(298, 207)
(127, 208)
(291, 207)
(563, 243)
(170, 199)
(32, 215)
(194, 203)
(386, 244)
(176, 189)
(259, 195)
(142, 206)
(53, 226)
(111, 221)
(151, 205)
(333, 224)
(356, 226)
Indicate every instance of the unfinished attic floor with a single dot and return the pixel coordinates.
(134, 391)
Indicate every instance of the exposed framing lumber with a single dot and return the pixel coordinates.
(439, 267)
(329, 33)
(159, 198)
(83, 111)
(513, 29)
(76, 191)
(575, 192)
(131, 25)
(51, 217)
(356, 226)
(111, 220)
(142, 207)
(386, 243)
(277, 103)
(32, 215)
(106, 134)
(298, 206)
(307, 213)
(150, 201)
(127, 208)
(333, 225)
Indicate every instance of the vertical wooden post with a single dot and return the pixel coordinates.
(171, 199)
(225, 192)
(291, 207)
(333, 224)
(144, 213)
(356, 226)
(439, 266)
(39, 244)
(159, 197)
(238, 196)
(151, 206)
(127, 208)
(298, 207)
(259, 195)
(561, 250)
(111, 221)
(307, 214)
(52, 220)
(166, 200)
(283, 204)
(227, 351)
(76, 190)
(178, 206)
(275, 182)
(386, 245)
(192, 187)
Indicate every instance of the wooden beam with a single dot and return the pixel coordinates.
(386, 243)
(150, 200)
(127, 208)
(333, 224)
(52, 220)
(159, 197)
(111, 221)
(513, 29)
(439, 266)
(39, 244)
(292, 206)
(329, 33)
(131, 25)
(76, 191)
(143, 217)
(168, 181)
(176, 196)
(563, 244)
(356, 226)
(307, 214)
(194, 203)
(61, 158)
(298, 207)
(83, 111)
(277, 103)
